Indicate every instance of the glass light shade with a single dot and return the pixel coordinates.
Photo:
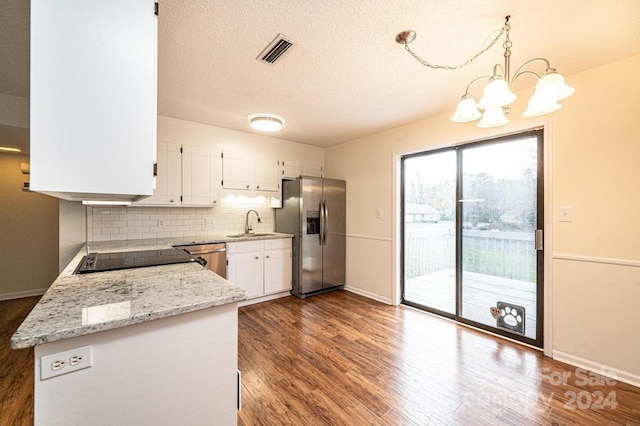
(541, 102)
(493, 117)
(467, 110)
(555, 83)
(266, 122)
(496, 94)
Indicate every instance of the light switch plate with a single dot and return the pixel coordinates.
(566, 214)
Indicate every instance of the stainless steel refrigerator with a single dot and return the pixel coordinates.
(314, 211)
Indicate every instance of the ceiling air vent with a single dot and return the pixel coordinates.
(274, 51)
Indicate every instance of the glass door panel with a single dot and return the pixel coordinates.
(429, 231)
(499, 215)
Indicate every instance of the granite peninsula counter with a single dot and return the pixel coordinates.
(162, 343)
(76, 305)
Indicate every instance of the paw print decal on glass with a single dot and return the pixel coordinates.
(512, 317)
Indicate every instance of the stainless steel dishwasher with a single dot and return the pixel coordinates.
(214, 254)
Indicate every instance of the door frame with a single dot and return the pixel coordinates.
(397, 243)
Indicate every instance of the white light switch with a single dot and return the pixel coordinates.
(378, 213)
(566, 214)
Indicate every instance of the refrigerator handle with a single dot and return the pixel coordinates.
(321, 233)
(326, 222)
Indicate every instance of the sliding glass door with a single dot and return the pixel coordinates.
(472, 234)
(429, 230)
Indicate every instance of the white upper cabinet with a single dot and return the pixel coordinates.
(267, 174)
(200, 176)
(237, 170)
(169, 176)
(291, 169)
(93, 98)
(312, 168)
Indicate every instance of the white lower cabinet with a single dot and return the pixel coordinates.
(261, 268)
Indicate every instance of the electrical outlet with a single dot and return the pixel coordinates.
(160, 223)
(378, 213)
(209, 222)
(65, 362)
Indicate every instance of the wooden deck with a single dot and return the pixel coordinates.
(480, 292)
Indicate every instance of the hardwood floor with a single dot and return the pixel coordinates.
(16, 366)
(339, 358)
(342, 359)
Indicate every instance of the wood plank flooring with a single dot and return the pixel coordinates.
(342, 359)
(16, 366)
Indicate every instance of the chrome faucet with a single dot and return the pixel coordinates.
(247, 227)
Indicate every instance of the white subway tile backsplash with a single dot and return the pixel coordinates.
(128, 223)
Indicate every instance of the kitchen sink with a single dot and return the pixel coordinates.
(248, 235)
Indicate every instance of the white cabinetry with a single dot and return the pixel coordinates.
(267, 176)
(260, 268)
(168, 180)
(93, 98)
(237, 170)
(291, 169)
(277, 266)
(187, 176)
(244, 172)
(200, 177)
(244, 266)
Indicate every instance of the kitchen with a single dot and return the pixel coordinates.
(371, 240)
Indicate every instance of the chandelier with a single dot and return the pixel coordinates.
(497, 96)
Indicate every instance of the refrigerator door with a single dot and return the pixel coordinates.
(310, 276)
(334, 227)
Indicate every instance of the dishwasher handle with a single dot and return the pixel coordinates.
(201, 260)
(196, 252)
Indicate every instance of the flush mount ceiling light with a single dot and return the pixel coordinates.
(497, 95)
(266, 122)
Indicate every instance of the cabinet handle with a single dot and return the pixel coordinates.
(257, 257)
(247, 186)
(171, 200)
(267, 256)
(258, 187)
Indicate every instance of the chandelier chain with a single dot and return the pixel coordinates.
(455, 67)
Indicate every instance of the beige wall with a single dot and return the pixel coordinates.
(28, 236)
(594, 168)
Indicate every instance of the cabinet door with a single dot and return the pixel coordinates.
(312, 168)
(245, 270)
(196, 176)
(277, 270)
(169, 178)
(93, 98)
(237, 170)
(291, 169)
(267, 175)
(277, 265)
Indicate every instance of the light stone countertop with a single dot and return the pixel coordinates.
(76, 305)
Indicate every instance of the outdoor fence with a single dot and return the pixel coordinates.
(502, 254)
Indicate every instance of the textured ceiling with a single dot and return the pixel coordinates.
(346, 77)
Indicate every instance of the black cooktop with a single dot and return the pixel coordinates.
(100, 262)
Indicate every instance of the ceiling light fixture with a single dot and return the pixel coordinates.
(9, 149)
(266, 122)
(497, 95)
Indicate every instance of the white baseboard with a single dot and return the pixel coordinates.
(386, 300)
(263, 298)
(596, 367)
(21, 294)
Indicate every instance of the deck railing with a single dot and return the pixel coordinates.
(502, 254)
